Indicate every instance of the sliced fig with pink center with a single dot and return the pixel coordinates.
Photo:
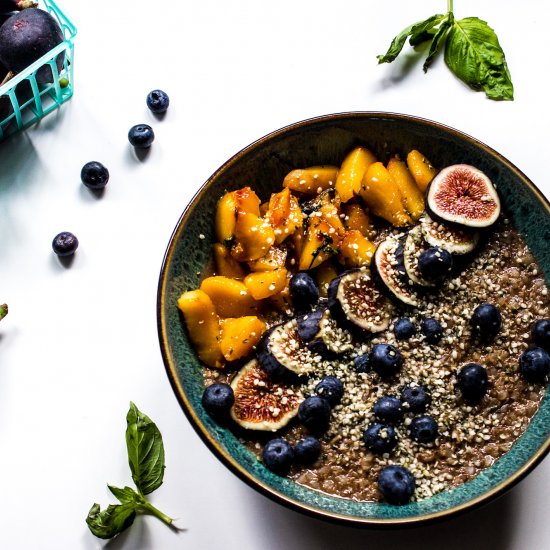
(451, 238)
(391, 274)
(463, 195)
(260, 403)
(356, 303)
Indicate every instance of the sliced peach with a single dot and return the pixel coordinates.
(421, 168)
(350, 175)
(284, 214)
(264, 284)
(230, 297)
(203, 326)
(274, 259)
(240, 335)
(324, 275)
(357, 218)
(242, 200)
(254, 236)
(320, 244)
(311, 180)
(356, 250)
(382, 196)
(411, 196)
(226, 265)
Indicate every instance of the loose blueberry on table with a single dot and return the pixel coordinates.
(65, 244)
(94, 175)
(158, 101)
(141, 136)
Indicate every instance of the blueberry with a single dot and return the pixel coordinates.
(386, 360)
(397, 484)
(217, 399)
(94, 175)
(331, 389)
(435, 263)
(472, 382)
(307, 450)
(308, 325)
(534, 365)
(304, 292)
(416, 398)
(541, 333)
(65, 244)
(424, 429)
(361, 363)
(388, 409)
(431, 329)
(403, 328)
(486, 321)
(158, 101)
(278, 456)
(380, 438)
(314, 413)
(141, 136)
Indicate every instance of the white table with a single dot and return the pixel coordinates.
(81, 342)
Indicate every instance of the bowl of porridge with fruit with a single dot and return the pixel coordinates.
(353, 313)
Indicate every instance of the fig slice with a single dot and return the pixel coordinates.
(281, 350)
(389, 270)
(463, 195)
(331, 339)
(356, 303)
(260, 403)
(451, 239)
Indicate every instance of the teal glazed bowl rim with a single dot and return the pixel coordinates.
(187, 255)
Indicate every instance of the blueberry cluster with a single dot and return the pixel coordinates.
(534, 363)
(380, 436)
(431, 328)
(314, 414)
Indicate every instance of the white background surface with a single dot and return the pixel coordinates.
(81, 342)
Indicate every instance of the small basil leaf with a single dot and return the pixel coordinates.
(421, 37)
(111, 521)
(413, 30)
(437, 39)
(125, 495)
(474, 55)
(145, 451)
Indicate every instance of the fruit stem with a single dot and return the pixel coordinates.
(3, 311)
(24, 4)
(156, 512)
(7, 78)
(449, 6)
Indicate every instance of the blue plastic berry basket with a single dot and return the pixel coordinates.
(31, 101)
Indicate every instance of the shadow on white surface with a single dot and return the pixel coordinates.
(488, 527)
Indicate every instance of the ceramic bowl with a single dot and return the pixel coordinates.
(263, 164)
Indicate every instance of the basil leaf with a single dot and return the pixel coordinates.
(3, 311)
(474, 55)
(145, 451)
(434, 47)
(125, 495)
(111, 521)
(421, 37)
(413, 30)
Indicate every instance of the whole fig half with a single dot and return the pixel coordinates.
(27, 36)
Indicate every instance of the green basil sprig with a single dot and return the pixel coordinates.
(472, 51)
(3, 311)
(146, 459)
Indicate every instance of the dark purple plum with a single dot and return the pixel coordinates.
(27, 36)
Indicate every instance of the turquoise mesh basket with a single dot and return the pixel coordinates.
(23, 101)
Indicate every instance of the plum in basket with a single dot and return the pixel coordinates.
(27, 36)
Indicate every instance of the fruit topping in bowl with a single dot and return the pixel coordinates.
(375, 317)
